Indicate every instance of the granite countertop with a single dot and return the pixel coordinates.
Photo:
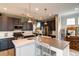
(22, 42)
(60, 44)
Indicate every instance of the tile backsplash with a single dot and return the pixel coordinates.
(10, 33)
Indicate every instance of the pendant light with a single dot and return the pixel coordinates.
(45, 23)
(45, 15)
(30, 19)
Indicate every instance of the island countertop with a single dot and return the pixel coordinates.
(22, 42)
(60, 44)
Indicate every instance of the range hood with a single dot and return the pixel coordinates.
(18, 26)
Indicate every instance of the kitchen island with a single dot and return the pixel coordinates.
(25, 47)
(60, 47)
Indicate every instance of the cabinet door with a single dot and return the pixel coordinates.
(0, 23)
(16, 21)
(53, 25)
(26, 50)
(10, 25)
(6, 44)
(11, 22)
(3, 44)
(27, 26)
(4, 23)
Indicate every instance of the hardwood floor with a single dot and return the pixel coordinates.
(73, 52)
(4, 53)
(9, 52)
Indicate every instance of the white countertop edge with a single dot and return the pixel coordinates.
(22, 42)
(6, 37)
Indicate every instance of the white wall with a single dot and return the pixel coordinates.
(62, 21)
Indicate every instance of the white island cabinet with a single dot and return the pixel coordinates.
(24, 47)
(52, 47)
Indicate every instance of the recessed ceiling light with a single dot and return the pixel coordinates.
(5, 8)
(50, 14)
(36, 9)
(28, 14)
(76, 8)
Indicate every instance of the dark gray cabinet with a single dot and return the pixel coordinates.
(0, 23)
(3, 23)
(11, 22)
(51, 26)
(6, 43)
(8, 23)
(27, 26)
(3, 44)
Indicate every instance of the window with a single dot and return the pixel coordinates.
(71, 21)
(38, 24)
(78, 20)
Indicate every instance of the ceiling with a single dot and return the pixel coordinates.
(52, 8)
